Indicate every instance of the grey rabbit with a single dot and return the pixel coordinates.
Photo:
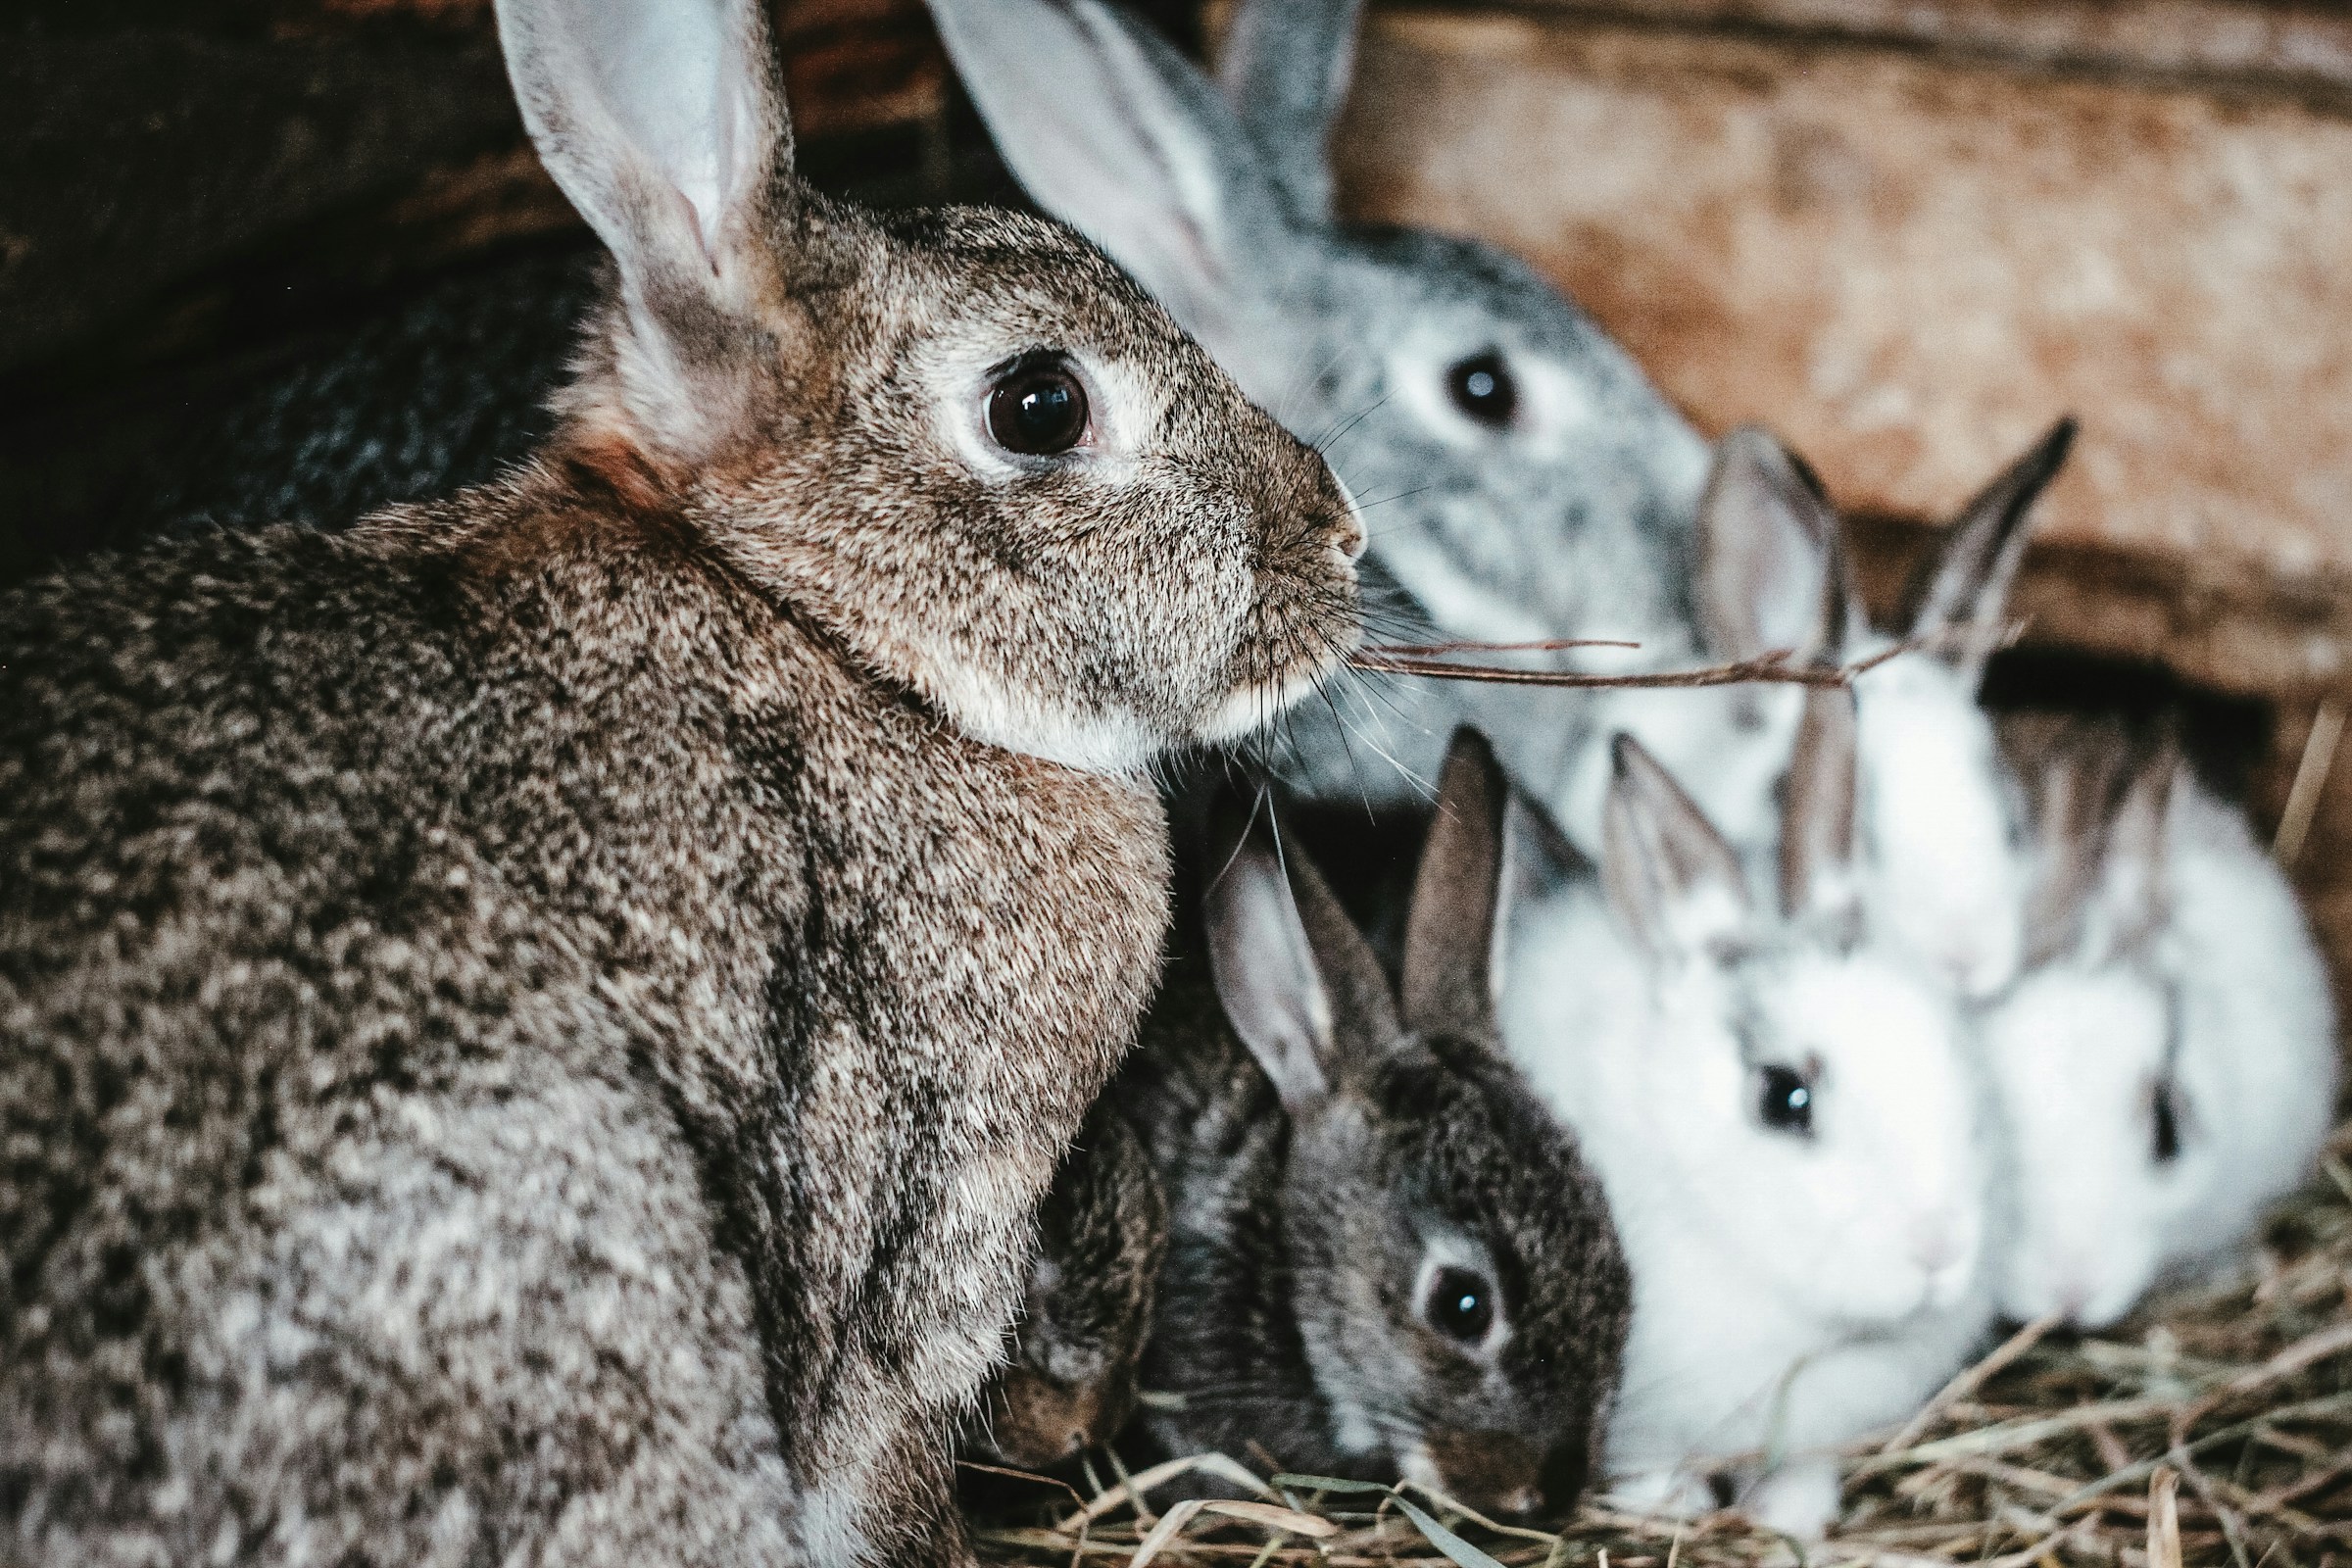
(1069, 1382)
(534, 1028)
(1523, 478)
(1386, 1258)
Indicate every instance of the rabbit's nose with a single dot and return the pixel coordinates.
(1939, 1243)
(1348, 534)
(1350, 537)
(1498, 1469)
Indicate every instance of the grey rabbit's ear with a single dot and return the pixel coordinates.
(1771, 564)
(662, 122)
(1298, 983)
(1285, 70)
(1672, 880)
(1260, 959)
(1964, 591)
(1817, 811)
(1450, 927)
(1113, 132)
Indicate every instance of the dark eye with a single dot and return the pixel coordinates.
(1037, 407)
(1460, 1306)
(1482, 388)
(2165, 1103)
(1787, 1101)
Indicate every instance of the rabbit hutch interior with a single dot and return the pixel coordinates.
(272, 260)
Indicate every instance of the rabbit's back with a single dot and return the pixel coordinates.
(439, 968)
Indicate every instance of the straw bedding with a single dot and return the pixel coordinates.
(2213, 1427)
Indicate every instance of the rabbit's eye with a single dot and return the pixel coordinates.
(1482, 387)
(2167, 1115)
(1785, 1102)
(1037, 407)
(1460, 1306)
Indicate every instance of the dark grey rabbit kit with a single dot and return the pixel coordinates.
(1069, 1379)
(533, 1027)
(1386, 1256)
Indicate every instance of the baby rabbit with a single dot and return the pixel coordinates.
(1780, 1106)
(1529, 480)
(1386, 1256)
(1103, 1231)
(535, 1028)
(1937, 814)
(2167, 1067)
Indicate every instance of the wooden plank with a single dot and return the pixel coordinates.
(1909, 264)
(2267, 44)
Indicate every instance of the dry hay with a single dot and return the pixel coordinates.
(2213, 1427)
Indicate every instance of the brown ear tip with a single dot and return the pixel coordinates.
(1470, 748)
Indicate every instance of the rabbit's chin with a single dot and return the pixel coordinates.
(1250, 709)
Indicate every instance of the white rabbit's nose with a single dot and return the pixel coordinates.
(1939, 1245)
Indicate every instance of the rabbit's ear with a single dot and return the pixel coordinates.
(1450, 928)
(662, 123)
(1284, 71)
(1772, 571)
(1817, 809)
(1673, 882)
(1260, 959)
(1964, 590)
(2132, 882)
(1113, 132)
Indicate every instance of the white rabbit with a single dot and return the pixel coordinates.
(2168, 1065)
(1781, 1108)
(1938, 815)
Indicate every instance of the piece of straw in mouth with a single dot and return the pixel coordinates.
(1777, 667)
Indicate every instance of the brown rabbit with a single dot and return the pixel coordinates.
(533, 1029)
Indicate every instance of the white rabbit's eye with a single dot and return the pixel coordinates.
(1785, 1102)
(1482, 387)
(1037, 407)
(2167, 1117)
(1460, 1306)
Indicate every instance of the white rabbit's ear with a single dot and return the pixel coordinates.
(1673, 882)
(1817, 811)
(1772, 570)
(662, 123)
(1261, 961)
(1965, 591)
(1285, 70)
(1450, 927)
(1113, 132)
(2134, 876)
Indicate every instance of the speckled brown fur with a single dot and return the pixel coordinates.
(531, 1030)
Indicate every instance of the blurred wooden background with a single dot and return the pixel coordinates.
(1906, 233)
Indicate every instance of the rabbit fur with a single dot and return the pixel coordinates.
(1069, 1383)
(1939, 814)
(1560, 505)
(1781, 1109)
(1386, 1256)
(2167, 1067)
(536, 1026)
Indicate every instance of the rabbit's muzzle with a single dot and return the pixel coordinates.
(1502, 1473)
(1039, 1422)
